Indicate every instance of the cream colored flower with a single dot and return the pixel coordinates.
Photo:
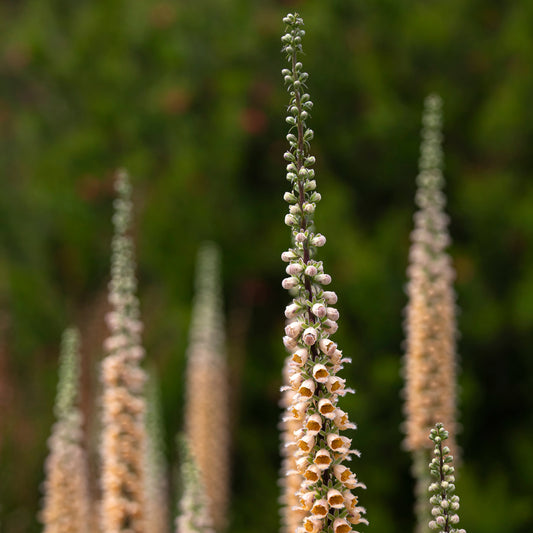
(322, 459)
(326, 408)
(320, 373)
(335, 499)
(313, 524)
(313, 474)
(313, 424)
(307, 388)
(320, 508)
(340, 525)
(306, 444)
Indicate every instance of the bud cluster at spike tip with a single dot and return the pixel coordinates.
(325, 498)
(444, 500)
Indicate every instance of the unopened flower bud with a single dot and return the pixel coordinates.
(300, 237)
(336, 357)
(333, 314)
(310, 336)
(330, 297)
(318, 240)
(311, 271)
(319, 310)
(293, 329)
(290, 220)
(324, 279)
(289, 283)
(290, 343)
(309, 208)
(288, 256)
(330, 326)
(292, 310)
(293, 269)
(327, 346)
(289, 197)
(294, 209)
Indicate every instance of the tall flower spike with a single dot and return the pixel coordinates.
(324, 498)
(206, 407)
(444, 500)
(429, 363)
(66, 492)
(123, 446)
(194, 516)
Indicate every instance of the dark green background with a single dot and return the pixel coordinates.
(188, 96)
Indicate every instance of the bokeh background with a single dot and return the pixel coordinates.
(188, 96)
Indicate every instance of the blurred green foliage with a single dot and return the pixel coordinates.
(188, 96)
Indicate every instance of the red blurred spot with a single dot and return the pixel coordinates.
(253, 121)
(175, 101)
(163, 15)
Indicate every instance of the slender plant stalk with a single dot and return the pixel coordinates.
(66, 491)
(206, 407)
(320, 450)
(444, 500)
(430, 360)
(123, 447)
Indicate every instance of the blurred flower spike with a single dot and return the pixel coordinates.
(66, 491)
(123, 446)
